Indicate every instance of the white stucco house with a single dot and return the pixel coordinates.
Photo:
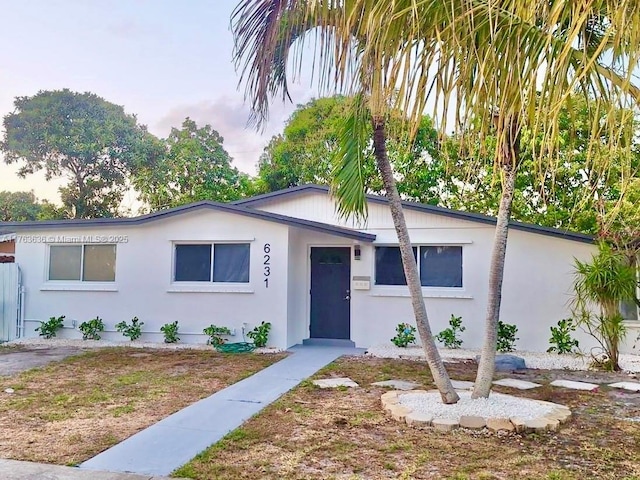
(289, 259)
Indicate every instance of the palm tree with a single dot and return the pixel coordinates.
(265, 30)
(497, 65)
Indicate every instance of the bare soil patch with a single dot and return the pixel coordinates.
(344, 434)
(69, 411)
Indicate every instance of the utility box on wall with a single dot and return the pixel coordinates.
(361, 283)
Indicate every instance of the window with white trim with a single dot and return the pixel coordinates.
(212, 262)
(630, 309)
(438, 265)
(82, 263)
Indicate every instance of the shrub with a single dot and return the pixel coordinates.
(170, 331)
(561, 340)
(405, 334)
(49, 328)
(606, 281)
(506, 337)
(133, 331)
(214, 333)
(260, 334)
(449, 336)
(91, 329)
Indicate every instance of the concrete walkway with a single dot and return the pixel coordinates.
(172, 442)
(15, 470)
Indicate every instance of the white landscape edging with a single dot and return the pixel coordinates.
(492, 413)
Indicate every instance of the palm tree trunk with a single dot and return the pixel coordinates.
(510, 153)
(438, 371)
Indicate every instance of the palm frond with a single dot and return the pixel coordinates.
(349, 177)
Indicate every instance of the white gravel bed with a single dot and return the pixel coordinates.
(538, 360)
(79, 343)
(496, 406)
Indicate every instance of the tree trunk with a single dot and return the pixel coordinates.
(510, 153)
(438, 371)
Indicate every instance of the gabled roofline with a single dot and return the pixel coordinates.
(422, 207)
(206, 204)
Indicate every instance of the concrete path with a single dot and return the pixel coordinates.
(15, 470)
(16, 361)
(172, 442)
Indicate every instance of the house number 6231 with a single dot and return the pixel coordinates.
(267, 263)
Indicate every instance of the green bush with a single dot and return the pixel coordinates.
(449, 336)
(133, 331)
(561, 340)
(405, 334)
(506, 337)
(91, 329)
(170, 331)
(260, 334)
(49, 328)
(606, 281)
(214, 333)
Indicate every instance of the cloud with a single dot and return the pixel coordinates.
(229, 116)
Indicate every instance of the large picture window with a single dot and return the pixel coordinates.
(439, 266)
(212, 262)
(84, 263)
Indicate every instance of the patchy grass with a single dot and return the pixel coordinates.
(71, 410)
(333, 434)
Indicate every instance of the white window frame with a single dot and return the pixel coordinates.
(210, 286)
(381, 290)
(78, 285)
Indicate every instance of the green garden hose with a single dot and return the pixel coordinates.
(240, 347)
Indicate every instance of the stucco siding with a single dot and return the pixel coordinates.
(143, 286)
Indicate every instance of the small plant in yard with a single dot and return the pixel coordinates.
(405, 334)
(449, 336)
(506, 337)
(91, 329)
(605, 282)
(215, 334)
(49, 328)
(561, 340)
(133, 331)
(170, 331)
(260, 334)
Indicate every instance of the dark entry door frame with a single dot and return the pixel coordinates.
(329, 292)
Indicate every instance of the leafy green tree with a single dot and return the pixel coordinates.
(305, 152)
(18, 206)
(586, 177)
(80, 136)
(24, 206)
(195, 167)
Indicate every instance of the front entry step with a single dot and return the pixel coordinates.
(329, 342)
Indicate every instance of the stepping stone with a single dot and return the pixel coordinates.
(472, 422)
(500, 424)
(631, 386)
(445, 424)
(574, 385)
(462, 384)
(419, 419)
(397, 384)
(335, 383)
(515, 383)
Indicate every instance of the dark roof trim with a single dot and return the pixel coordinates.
(422, 207)
(230, 208)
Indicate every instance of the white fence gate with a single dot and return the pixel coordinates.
(10, 302)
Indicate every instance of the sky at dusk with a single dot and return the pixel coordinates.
(162, 60)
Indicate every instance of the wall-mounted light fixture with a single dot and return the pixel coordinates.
(356, 252)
